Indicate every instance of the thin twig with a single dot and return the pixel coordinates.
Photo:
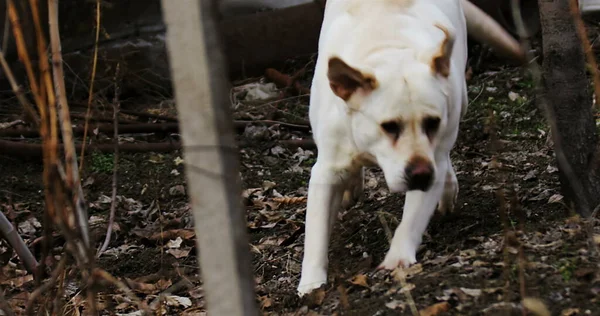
(30, 113)
(386, 228)
(400, 276)
(17, 243)
(46, 286)
(46, 85)
(23, 55)
(516, 207)
(91, 91)
(6, 31)
(72, 172)
(113, 204)
(590, 231)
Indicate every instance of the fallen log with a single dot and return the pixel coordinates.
(28, 150)
(150, 115)
(103, 128)
(140, 128)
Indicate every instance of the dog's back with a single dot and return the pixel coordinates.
(354, 30)
(356, 27)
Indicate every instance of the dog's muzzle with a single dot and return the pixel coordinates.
(419, 174)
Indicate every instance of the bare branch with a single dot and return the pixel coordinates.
(91, 91)
(113, 204)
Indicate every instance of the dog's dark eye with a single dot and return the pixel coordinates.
(431, 125)
(392, 128)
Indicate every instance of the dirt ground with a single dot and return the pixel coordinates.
(465, 267)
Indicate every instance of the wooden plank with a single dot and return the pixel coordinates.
(212, 166)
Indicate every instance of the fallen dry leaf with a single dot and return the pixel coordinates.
(471, 292)
(413, 270)
(122, 306)
(148, 288)
(18, 281)
(407, 288)
(184, 234)
(175, 243)
(570, 312)
(395, 304)
(265, 302)
(174, 300)
(287, 200)
(536, 306)
(343, 297)
(360, 279)
(316, 297)
(435, 309)
(556, 198)
(194, 311)
(179, 253)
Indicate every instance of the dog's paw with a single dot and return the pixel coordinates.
(349, 200)
(398, 258)
(307, 287)
(447, 203)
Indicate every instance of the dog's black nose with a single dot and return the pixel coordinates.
(419, 174)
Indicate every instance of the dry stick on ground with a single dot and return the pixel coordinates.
(30, 114)
(72, 172)
(91, 91)
(113, 203)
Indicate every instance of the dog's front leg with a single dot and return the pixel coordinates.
(325, 191)
(418, 209)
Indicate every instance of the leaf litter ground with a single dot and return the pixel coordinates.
(464, 266)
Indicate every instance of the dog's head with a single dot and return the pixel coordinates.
(399, 115)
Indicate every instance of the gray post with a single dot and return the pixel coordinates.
(212, 166)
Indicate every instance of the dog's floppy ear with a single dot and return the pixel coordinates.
(440, 63)
(345, 80)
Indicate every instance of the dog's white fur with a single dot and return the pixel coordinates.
(386, 61)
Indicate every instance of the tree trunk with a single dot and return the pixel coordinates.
(569, 100)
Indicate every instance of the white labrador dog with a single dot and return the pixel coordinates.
(389, 89)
